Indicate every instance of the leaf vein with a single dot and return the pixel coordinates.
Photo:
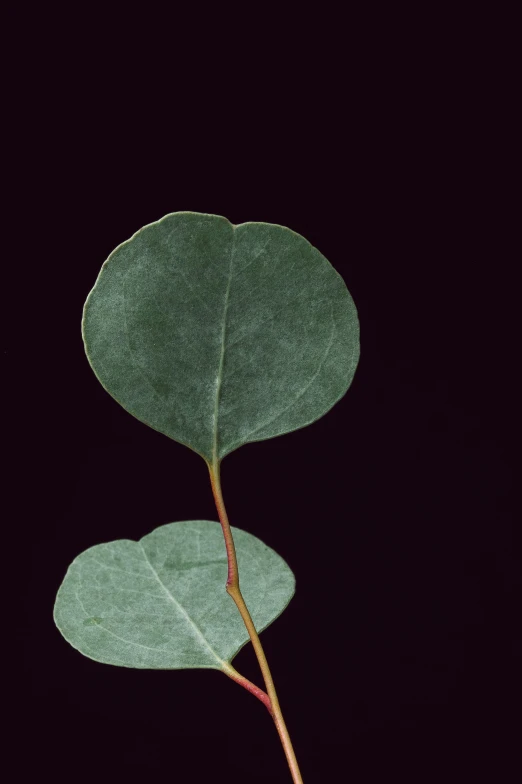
(302, 391)
(219, 376)
(180, 607)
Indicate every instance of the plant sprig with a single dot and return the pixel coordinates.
(216, 335)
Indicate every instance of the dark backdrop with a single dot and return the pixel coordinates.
(398, 655)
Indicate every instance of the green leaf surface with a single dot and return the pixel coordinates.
(160, 603)
(217, 335)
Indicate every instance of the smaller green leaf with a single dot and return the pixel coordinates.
(160, 603)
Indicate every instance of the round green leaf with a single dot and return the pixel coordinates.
(217, 335)
(160, 604)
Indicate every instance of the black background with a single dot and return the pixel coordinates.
(399, 654)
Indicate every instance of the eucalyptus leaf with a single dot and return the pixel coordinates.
(160, 604)
(218, 335)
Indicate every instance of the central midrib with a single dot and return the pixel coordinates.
(180, 607)
(219, 376)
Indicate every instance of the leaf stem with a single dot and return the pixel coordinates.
(232, 587)
(249, 686)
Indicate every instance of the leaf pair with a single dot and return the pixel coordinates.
(216, 335)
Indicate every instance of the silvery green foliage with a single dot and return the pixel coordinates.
(218, 335)
(160, 603)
